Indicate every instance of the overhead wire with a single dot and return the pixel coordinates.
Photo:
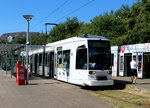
(75, 10)
(66, 14)
(51, 13)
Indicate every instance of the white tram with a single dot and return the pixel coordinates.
(84, 60)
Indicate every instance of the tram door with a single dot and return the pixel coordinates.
(35, 63)
(46, 66)
(66, 62)
(51, 64)
(127, 60)
(121, 65)
(146, 65)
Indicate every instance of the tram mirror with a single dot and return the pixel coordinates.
(82, 47)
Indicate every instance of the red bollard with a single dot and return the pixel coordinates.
(20, 74)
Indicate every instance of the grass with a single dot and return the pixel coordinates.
(130, 97)
(137, 91)
(117, 103)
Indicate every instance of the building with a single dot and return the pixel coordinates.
(122, 55)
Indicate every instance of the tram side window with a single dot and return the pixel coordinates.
(81, 58)
(66, 59)
(140, 58)
(46, 62)
(40, 60)
(59, 59)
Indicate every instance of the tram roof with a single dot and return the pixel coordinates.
(81, 37)
(93, 36)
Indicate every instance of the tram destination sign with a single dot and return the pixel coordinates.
(98, 44)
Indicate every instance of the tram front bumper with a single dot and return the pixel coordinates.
(98, 83)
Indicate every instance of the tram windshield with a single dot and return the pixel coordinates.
(99, 55)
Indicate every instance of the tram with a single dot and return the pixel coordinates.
(83, 60)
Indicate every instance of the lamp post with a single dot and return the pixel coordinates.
(28, 18)
(46, 27)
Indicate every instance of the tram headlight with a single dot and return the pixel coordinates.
(109, 71)
(92, 72)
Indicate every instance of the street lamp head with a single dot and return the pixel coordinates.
(28, 17)
(51, 24)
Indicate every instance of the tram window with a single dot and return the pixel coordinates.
(59, 59)
(81, 58)
(46, 62)
(40, 60)
(48, 59)
(66, 59)
(140, 58)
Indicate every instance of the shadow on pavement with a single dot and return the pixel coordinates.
(37, 77)
(118, 85)
(43, 83)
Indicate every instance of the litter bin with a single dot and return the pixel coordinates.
(20, 74)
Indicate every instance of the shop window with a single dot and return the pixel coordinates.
(112, 59)
(121, 63)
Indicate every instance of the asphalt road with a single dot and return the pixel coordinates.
(45, 93)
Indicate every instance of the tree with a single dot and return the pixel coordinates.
(138, 23)
(20, 40)
(2, 41)
(67, 29)
(40, 39)
(85, 28)
(109, 25)
(142, 26)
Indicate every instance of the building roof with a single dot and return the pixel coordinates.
(14, 47)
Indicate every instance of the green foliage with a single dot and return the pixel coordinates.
(2, 41)
(64, 30)
(20, 40)
(40, 39)
(109, 25)
(142, 26)
(138, 23)
(85, 28)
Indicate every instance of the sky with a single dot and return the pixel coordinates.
(51, 11)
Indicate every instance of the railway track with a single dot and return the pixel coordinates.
(146, 97)
(118, 98)
(126, 101)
